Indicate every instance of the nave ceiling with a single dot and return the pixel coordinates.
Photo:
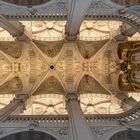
(49, 67)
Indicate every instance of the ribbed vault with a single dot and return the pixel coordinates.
(47, 68)
(51, 85)
(89, 85)
(68, 70)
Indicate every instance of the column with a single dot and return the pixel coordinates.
(126, 99)
(15, 28)
(78, 127)
(76, 14)
(127, 30)
(16, 105)
(124, 31)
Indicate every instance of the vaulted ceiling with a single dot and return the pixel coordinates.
(49, 67)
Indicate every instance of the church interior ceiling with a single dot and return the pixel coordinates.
(48, 67)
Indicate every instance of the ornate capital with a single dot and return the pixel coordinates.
(22, 96)
(70, 37)
(72, 96)
(33, 125)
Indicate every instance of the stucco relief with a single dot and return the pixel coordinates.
(51, 49)
(46, 104)
(88, 49)
(41, 74)
(51, 85)
(106, 67)
(97, 30)
(5, 68)
(61, 131)
(60, 68)
(48, 30)
(100, 131)
(11, 48)
(90, 85)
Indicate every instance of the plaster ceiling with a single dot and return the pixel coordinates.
(49, 67)
(97, 30)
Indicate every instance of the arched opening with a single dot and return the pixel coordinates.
(26, 2)
(127, 2)
(29, 135)
(126, 135)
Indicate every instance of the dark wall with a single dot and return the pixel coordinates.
(127, 2)
(29, 135)
(127, 135)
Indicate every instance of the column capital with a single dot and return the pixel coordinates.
(71, 37)
(22, 97)
(72, 96)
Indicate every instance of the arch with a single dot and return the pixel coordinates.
(26, 2)
(29, 135)
(126, 2)
(126, 135)
(50, 132)
(43, 5)
(107, 135)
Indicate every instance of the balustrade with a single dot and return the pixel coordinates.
(127, 117)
